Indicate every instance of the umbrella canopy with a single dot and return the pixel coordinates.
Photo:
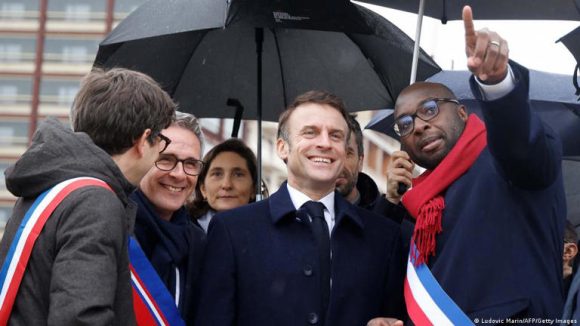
(204, 52)
(551, 95)
(445, 10)
(572, 42)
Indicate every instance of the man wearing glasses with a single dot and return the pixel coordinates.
(78, 268)
(490, 208)
(171, 242)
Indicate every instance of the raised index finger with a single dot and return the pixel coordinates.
(468, 25)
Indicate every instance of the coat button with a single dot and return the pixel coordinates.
(312, 318)
(307, 270)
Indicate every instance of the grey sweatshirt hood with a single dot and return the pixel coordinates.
(57, 154)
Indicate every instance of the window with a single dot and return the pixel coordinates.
(77, 12)
(19, 49)
(58, 91)
(70, 50)
(74, 54)
(10, 52)
(13, 133)
(12, 10)
(15, 90)
(8, 94)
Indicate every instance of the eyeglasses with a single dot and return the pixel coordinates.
(428, 110)
(166, 141)
(191, 166)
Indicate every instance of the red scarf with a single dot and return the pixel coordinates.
(425, 201)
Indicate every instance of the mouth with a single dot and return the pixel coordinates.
(173, 189)
(321, 160)
(430, 143)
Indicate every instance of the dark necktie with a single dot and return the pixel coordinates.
(320, 231)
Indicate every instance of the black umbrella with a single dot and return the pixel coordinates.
(204, 58)
(263, 53)
(551, 95)
(572, 42)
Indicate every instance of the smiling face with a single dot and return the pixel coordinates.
(315, 150)
(168, 190)
(228, 183)
(430, 141)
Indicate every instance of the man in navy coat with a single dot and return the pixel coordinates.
(262, 262)
(497, 249)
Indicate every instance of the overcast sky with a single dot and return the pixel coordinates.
(531, 43)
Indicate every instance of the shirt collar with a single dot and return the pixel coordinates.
(298, 199)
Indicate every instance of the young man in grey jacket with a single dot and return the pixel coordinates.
(78, 271)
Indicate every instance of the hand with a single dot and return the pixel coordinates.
(487, 53)
(399, 170)
(384, 322)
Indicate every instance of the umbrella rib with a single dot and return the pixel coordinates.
(284, 97)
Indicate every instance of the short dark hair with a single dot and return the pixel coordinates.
(199, 206)
(318, 97)
(354, 127)
(114, 107)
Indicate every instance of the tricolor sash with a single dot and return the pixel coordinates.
(427, 302)
(152, 302)
(34, 220)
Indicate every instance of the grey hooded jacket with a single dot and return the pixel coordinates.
(78, 272)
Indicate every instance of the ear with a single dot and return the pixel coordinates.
(141, 142)
(282, 149)
(463, 114)
(361, 159)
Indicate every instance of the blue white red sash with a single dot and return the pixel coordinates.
(34, 220)
(427, 302)
(152, 302)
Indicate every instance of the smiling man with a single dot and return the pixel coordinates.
(164, 230)
(305, 255)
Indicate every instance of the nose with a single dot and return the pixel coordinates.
(324, 140)
(178, 170)
(227, 181)
(420, 125)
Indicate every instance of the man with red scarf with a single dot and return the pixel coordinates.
(490, 207)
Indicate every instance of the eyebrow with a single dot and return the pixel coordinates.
(175, 156)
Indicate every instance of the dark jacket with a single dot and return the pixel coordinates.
(373, 200)
(78, 273)
(261, 266)
(170, 245)
(500, 252)
(368, 191)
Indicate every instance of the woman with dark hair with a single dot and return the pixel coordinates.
(227, 180)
